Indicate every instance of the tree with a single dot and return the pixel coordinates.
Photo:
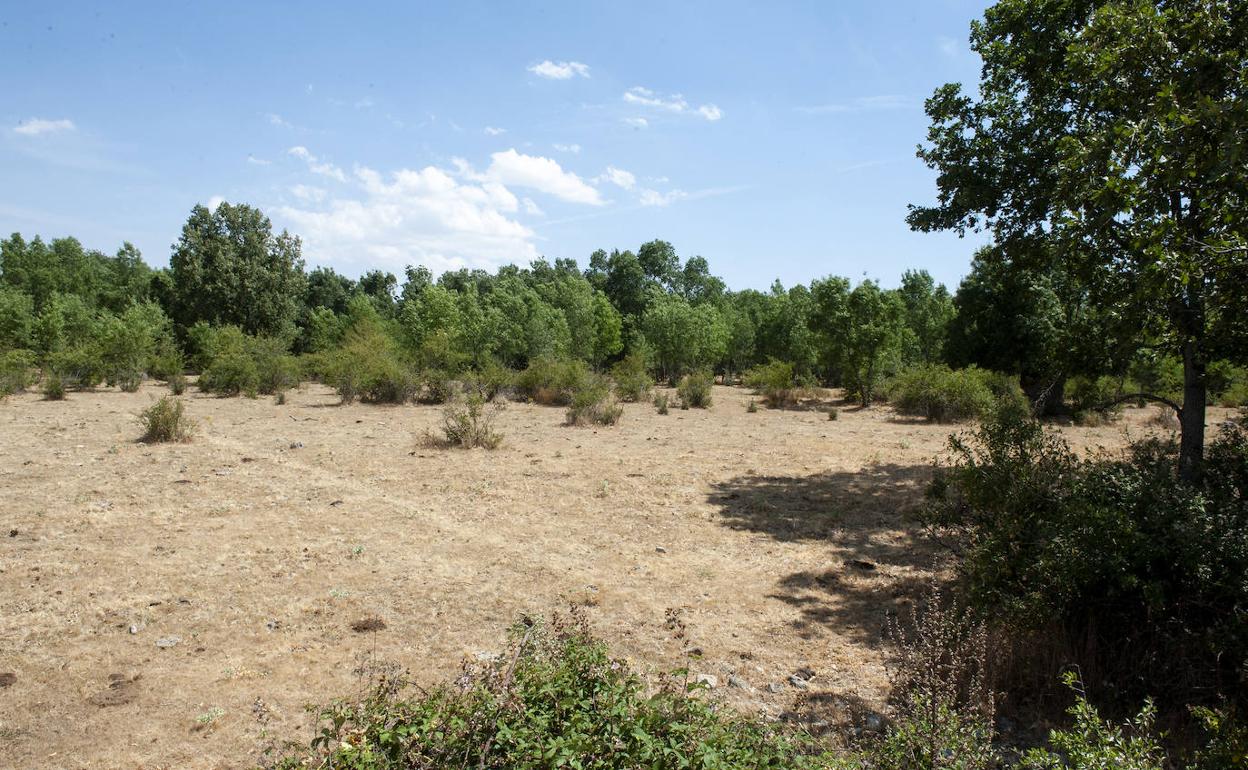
(1113, 133)
(229, 268)
(928, 310)
(872, 332)
(659, 262)
(684, 337)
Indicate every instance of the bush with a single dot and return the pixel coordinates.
(1093, 743)
(660, 403)
(1146, 576)
(632, 378)
(469, 423)
(1094, 395)
(491, 381)
(53, 387)
(17, 371)
(773, 381)
(230, 373)
(177, 383)
(942, 394)
(166, 421)
(694, 390)
(79, 367)
(751, 407)
(833, 413)
(368, 367)
(276, 370)
(552, 381)
(435, 387)
(594, 404)
(554, 699)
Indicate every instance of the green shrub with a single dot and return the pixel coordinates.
(53, 387)
(552, 381)
(594, 404)
(1226, 739)
(941, 394)
(276, 370)
(632, 378)
(469, 423)
(368, 367)
(1095, 744)
(230, 373)
(1094, 394)
(833, 413)
(177, 383)
(17, 371)
(166, 421)
(78, 367)
(555, 698)
(491, 380)
(751, 407)
(435, 387)
(660, 403)
(694, 390)
(774, 382)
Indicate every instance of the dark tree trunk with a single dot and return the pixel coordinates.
(1192, 416)
(1046, 394)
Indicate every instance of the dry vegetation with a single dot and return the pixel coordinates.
(177, 605)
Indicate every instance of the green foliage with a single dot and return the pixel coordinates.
(684, 337)
(1094, 394)
(555, 699)
(177, 383)
(1093, 743)
(229, 368)
(166, 421)
(78, 367)
(1226, 739)
(694, 390)
(751, 407)
(17, 316)
(491, 380)
(1098, 545)
(17, 371)
(469, 423)
(632, 377)
(942, 394)
(660, 403)
(774, 381)
(368, 367)
(276, 370)
(53, 387)
(434, 387)
(594, 404)
(553, 381)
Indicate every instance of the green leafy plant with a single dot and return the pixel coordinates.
(632, 377)
(552, 381)
(469, 423)
(17, 371)
(660, 403)
(694, 390)
(166, 421)
(594, 404)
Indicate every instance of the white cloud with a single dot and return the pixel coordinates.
(215, 201)
(563, 70)
(575, 149)
(618, 177)
(278, 120)
(671, 103)
(656, 198)
(309, 193)
(41, 126)
(861, 104)
(532, 208)
(492, 131)
(637, 122)
(316, 165)
(544, 174)
(253, 160)
(426, 216)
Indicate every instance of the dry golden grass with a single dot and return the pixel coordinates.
(260, 544)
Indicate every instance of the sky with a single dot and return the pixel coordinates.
(777, 140)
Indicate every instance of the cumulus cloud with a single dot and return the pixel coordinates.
(253, 160)
(644, 97)
(42, 126)
(493, 131)
(563, 70)
(618, 177)
(636, 122)
(309, 193)
(530, 207)
(538, 173)
(575, 149)
(656, 198)
(316, 165)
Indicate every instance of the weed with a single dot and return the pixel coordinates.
(660, 403)
(468, 423)
(166, 421)
(694, 390)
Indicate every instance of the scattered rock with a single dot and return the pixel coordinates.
(165, 642)
(738, 683)
(121, 690)
(862, 564)
(368, 624)
(775, 687)
(799, 683)
(273, 625)
(660, 549)
(7, 679)
(486, 657)
(873, 723)
(335, 504)
(296, 445)
(12, 533)
(136, 628)
(805, 672)
(710, 680)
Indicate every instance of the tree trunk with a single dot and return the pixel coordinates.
(1192, 417)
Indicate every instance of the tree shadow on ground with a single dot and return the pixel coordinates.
(877, 560)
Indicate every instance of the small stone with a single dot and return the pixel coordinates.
(805, 672)
(165, 642)
(135, 628)
(486, 657)
(660, 549)
(12, 533)
(296, 445)
(7, 679)
(710, 680)
(775, 687)
(738, 683)
(799, 683)
(873, 723)
(273, 625)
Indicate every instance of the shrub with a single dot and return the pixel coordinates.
(17, 371)
(594, 404)
(166, 421)
(942, 394)
(435, 387)
(276, 370)
(53, 387)
(660, 403)
(632, 377)
(1057, 546)
(469, 423)
(554, 699)
(492, 380)
(368, 367)
(774, 382)
(694, 390)
(79, 367)
(229, 373)
(552, 381)
(177, 383)
(833, 413)
(751, 407)
(1094, 394)
(1093, 743)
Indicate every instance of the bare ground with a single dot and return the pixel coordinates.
(256, 547)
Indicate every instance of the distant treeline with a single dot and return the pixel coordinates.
(90, 317)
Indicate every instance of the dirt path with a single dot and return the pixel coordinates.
(177, 606)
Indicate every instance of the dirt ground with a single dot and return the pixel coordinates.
(179, 605)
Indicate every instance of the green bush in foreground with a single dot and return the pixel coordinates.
(694, 390)
(942, 394)
(166, 421)
(594, 404)
(17, 371)
(554, 699)
(553, 381)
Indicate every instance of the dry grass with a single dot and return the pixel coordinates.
(258, 546)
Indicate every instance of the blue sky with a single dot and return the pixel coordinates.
(775, 139)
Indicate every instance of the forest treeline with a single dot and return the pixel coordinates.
(237, 293)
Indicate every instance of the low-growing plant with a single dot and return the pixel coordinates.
(1094, 395)
(1093, 743)
(694, 390)
(942, 394)
(469, 423)
(166, 421)
(660, 403)
(774, 381)
(594, 404)
(833, 413)
(79, 367)
(552, 381)
(368, 366)
(17, 371)
(491, 380)
(435, 387)
(53, 387)
(751, 407)
(632, 377)
(555, 698)
(177, 383)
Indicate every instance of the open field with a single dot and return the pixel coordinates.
(258, 545)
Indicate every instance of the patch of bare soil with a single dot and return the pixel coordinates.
(179, 605)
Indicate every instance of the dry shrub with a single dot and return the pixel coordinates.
(594, 404)
(468, 424)
(1165, 418)
(694, 390)
(166, 421)
(660, 403)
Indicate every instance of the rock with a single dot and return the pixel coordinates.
(738, 683)
(487, 657)
(873, 723)
(660, 549)
(710, 680)
(273, 625)
(12, 533)
(799, 683)
(296, 445)
(862, 564)
(775, 687)
(7, 679)
(805, 672)
(135, 628)
(165, 642)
